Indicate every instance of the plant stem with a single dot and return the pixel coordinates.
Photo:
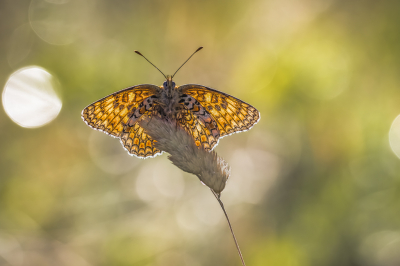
(217, 196)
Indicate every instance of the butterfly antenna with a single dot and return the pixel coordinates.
(150, 63)
(198, 49)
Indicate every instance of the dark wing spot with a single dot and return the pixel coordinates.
(217, 107)
(125, 97)
(121, 107)
(209, 107)
(181, 100)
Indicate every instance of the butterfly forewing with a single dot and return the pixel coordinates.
(112, 113)
(230, 114)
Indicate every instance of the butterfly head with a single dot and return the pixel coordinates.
(169, 84)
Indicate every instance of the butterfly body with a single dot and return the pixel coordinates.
(206, 114)
(168, 100)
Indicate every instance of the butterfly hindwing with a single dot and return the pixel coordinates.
(117, 115)
(229, 113)
(138, 143)
(200, 124)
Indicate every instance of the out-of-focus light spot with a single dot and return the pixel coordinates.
(20, 44)
(187, 219)
(168, 179)
(10, 250)
(394, 136)
(208, 210)
(145, 188)
(202, 209)
(109, 155)
(58, 21)
(160, 181)
(30, 98)
(256, 171)
(381, 248)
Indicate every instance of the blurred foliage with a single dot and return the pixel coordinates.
(313, 183)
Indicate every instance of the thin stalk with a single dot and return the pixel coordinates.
(217, 196)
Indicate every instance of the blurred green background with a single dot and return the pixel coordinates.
(315, 182)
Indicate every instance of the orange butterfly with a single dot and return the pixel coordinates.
(205, 113)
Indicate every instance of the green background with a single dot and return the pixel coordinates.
(313, 183)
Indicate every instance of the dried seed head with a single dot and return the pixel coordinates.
(212, 170)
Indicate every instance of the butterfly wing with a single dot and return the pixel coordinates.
(117, 115)
(230, 114)
(138, 143)
(198, 122)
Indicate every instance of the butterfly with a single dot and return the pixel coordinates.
(206, 114)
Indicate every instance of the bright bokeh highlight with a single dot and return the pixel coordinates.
(394, 136)
(58, 22)
(30, 98)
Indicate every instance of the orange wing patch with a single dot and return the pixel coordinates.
(231, 114)
(201, 134)
(138, 143)
(111, 114)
